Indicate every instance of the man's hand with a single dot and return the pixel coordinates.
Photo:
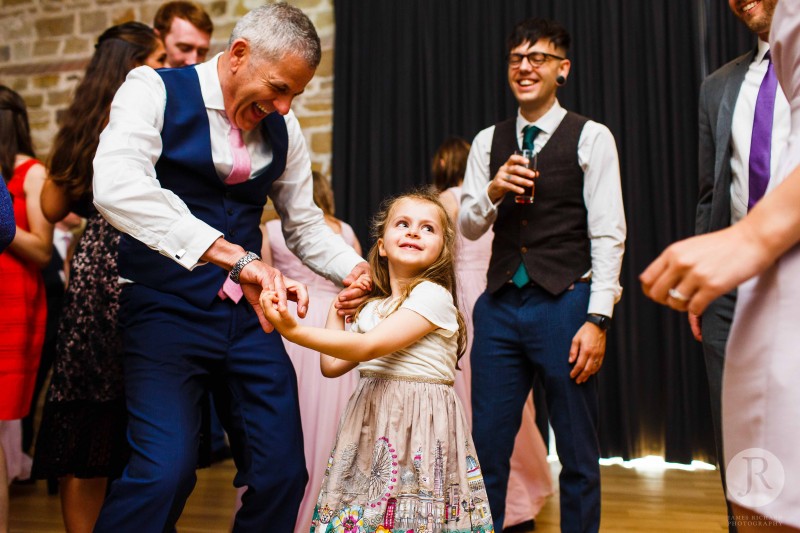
(587, 352)
(696, 323)
(258, 276)
(357, 287)
(511, 177)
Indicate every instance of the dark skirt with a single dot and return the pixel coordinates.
(83, 424)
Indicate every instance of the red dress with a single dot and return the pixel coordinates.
(23, 312)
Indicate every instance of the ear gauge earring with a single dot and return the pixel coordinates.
(560, 80)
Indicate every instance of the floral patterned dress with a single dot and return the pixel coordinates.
(403, 460)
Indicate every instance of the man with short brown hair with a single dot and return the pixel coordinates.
(553, 277)
(186, 31)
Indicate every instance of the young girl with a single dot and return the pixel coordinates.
(403, 459)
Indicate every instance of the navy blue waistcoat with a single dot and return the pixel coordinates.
(185, 167)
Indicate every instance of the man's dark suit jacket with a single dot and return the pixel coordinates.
(718, 96)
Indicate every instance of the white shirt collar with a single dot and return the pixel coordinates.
(763, 48)
(547, 123)
(210, 85)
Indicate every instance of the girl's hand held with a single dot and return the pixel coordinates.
(279, 317)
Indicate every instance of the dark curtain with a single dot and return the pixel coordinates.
(410, 73)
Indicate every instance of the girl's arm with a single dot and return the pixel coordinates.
(55, 201)
(332, 367)
(400, 329)
(36, 245)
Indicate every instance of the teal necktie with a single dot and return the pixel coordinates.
(529, 133)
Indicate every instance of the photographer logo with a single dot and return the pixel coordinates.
(755, 477)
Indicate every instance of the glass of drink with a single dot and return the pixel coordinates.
(527, 196)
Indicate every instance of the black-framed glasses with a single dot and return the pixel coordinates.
(536, 59)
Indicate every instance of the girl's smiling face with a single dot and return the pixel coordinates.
(413, 239)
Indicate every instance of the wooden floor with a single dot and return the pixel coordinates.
(633, 500)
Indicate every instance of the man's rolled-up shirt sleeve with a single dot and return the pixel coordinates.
(307, 235)
(126, 191)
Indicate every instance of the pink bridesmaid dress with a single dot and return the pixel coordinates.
(322, 399)
(761, 396)
(530, 481)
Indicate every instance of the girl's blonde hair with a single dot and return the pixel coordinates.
(441, 272)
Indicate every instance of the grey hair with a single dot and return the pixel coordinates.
(276, 29)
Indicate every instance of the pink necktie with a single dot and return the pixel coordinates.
(240, 172)
(230, 290)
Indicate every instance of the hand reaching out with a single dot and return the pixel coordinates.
(276, 312)
(257, 276)
(692, 273)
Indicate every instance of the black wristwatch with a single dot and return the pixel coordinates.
(601, 321)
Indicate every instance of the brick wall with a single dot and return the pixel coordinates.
(46, 44)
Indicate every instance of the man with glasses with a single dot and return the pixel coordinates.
(553, 277)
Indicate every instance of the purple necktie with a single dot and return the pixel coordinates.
(761, 141)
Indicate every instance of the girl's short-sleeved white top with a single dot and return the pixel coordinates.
(434, 355)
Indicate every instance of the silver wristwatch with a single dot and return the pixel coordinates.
(247, 258)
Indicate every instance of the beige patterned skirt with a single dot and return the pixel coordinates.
(403, 461)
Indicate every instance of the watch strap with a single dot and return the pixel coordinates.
(601, 321)
(246, 259)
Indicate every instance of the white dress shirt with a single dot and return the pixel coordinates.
(130, 197)
(602, 194)
(742, 132)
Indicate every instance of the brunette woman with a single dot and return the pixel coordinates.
(82, 437)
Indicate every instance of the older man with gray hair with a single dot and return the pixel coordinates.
(184, 169)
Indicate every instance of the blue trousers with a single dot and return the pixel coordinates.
(521, 333)
(174, 354)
